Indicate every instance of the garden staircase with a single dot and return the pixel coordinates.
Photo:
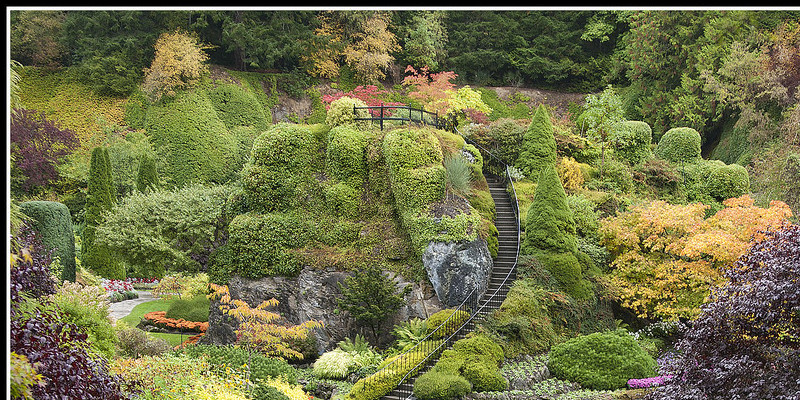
(501, 278)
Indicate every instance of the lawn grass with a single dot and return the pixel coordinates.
(139, 310)
(173, 339)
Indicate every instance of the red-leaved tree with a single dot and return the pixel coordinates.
(37, 146)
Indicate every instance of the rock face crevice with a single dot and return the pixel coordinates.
(456, 268)
(313, 295)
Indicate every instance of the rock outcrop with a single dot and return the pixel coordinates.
(456, 268)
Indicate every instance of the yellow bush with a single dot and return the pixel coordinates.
(293, 392)
(570, 173)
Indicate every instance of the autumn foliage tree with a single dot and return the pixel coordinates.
(261, 329)
(746, 342)
(667, 258)
(438, 94)
(179, 63)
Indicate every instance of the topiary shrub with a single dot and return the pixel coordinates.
(345, 156)
(261, 243)
(279, 167)
(522, 324)
(342, 200)
(601, 360)
(728, 181)
(52, 221)
(342, 112)
(631, 141)
(236, 106)
(441, 386)
(196, 144)
(679, 145)
(475, 359)
(538, 148)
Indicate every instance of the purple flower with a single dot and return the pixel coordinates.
(648, 382)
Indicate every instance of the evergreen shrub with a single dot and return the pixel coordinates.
(279, 167)
(538, 148)
(632, 141)
(342, 112)
(53, 222)
(441, 386)
(197, 145)
(262, 242)
(342, 200)
(100, 199)
(261, 367)
(345, 155)
(728, 181)
(679, 145)
(236, 106)
(601, 360)
(437, 319)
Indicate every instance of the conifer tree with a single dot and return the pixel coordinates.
(550, 235)
(99, 199)
(538, 145)
(147, 177)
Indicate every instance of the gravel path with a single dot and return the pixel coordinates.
(121, 309)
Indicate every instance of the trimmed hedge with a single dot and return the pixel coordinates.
(679, 145)
(601, 361)
(728, 181)
(196, 144)
(345, 156)
(632, 141)
(261, 243)
(236, 107)
(53, 222)
(437, 319)
(278, 170)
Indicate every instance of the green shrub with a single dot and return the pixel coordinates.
(100, 199)
(727, 181)
(236, 106)
(632, 140)
(476, 359)
(341, 112)
(679, 145)
(196, 144)
(587, 219)
(601, 361)
(261, 366)
(567, 270)
(261, 243)
(415, 188)
(522, 322)
(87, 308)
(411, 148)
(194, 308)
(452, 323)
(538, 149)
(549, 224)
(279, 167)
(134, 342)
(441, 386)
(342, 200)
(389, 374)
(53, 223)
(345, 155)
(266, 392)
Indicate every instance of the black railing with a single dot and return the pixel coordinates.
(403, 114)
(392, 376)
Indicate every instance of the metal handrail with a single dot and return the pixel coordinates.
(437, 121)
(481, 305)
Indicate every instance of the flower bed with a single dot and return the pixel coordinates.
(118, 290)
(158, 320)
(648, 382)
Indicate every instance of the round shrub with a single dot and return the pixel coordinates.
(484, 375)
(236, 106)
(198, 147)
(601, 361)
(441, 386)
(411, 148)
(679, 145)
(414, 188)
(342, 111)
(52, 221)
(632, 141)
(728, 181)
